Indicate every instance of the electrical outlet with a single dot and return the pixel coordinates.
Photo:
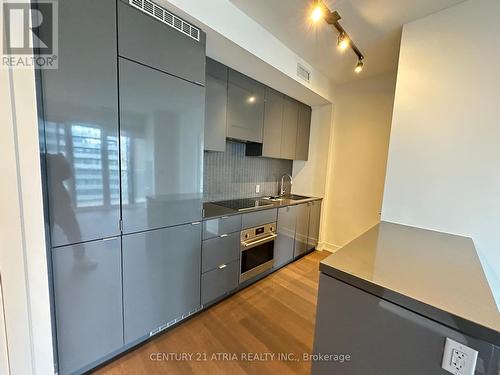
(257, 188)
(459, 359)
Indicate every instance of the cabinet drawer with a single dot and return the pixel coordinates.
(223, 225)
(219, 281)
(220, 250)
(257, 218)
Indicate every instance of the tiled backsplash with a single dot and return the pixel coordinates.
(232, 175)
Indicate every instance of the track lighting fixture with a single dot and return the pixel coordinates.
(320, 11)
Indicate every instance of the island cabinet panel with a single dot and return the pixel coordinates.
(303, 131)
(314, 220)
(215, 106)
(301, 229)
(161, 278)
(289, 131)
(285, 242)
(381, 337)
(245, 108)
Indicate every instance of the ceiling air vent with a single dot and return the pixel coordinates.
(167, 18)
(303, 72)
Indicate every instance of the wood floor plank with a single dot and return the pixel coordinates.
(274, 315)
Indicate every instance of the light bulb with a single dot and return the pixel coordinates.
(317, 13)
(251, 99)
(343, 41)
(359, 67)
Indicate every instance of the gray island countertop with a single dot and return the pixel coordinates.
(434, 274)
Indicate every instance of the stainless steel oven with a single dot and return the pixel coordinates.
(257, 250)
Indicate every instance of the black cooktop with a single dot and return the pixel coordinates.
(243, 204)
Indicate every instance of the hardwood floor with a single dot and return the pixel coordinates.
(275, 315)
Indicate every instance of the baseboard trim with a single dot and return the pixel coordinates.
(328, 247)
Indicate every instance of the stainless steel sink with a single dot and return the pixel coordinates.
(292, 197)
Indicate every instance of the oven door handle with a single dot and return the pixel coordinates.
(249, 245)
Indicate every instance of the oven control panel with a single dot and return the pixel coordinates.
(260, 231)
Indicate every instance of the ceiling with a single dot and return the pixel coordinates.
(374, 25)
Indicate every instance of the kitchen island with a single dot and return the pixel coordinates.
(390, 298)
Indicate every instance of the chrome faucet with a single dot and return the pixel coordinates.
(282, 186)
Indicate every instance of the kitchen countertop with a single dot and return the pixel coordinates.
(434, 274)
(211, 210)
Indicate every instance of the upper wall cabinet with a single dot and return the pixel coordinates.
(273, 124)
(80, 108)
(245, 108)
(289, 134)
(215, 106)
(144, 39)
(303, 130)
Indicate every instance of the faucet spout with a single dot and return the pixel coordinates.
(282, 185)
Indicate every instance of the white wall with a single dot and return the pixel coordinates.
(23, 263)
(4, 355)
(444, 158)
(357, 160)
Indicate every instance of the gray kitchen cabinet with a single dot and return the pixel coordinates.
(215, 106)
(161, 277)
(273, 124)
(88, 302)
(222, 225)
(245, 108)
(220, 250)
(314, 221)
(143, 38)
(285, 242)
(161, 130)
(254, 219)
(301, 229)
(290, 122)
(303, 130)
(219, 281)
(80, 111)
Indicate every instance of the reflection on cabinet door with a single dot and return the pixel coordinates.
(314, 220)
(283, 250)
(245, 108)
(88, 302)
(301, 229)
(80, 108)
(161, 277)
(161, 131)
(289, 135)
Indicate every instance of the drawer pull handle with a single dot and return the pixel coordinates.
(223, 235)
(222, 266)
(224, 217)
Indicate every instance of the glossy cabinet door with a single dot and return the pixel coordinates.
(303, 130)
(314, 220)
(88, 302)
(161, 132)
(161, 277)
(301, 229)
(80, 106)
(145, 39)
(245, 108)
(289, 132)
(285, 242)
(273, 124)
(215, 106)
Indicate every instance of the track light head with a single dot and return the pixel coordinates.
(343, 41)
(317, 11)
(359, 66)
